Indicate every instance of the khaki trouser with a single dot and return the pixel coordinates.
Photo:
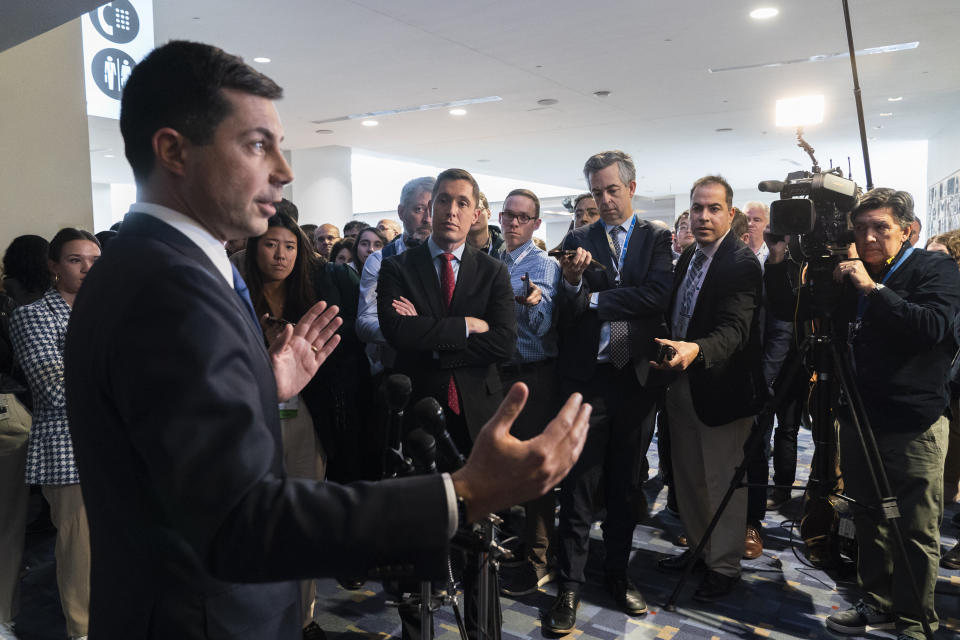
(72, 553)
(951, 468)
(14, 432)
(704, 459)
(303, 457)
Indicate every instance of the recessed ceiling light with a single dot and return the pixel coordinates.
(458, 112)
(878, 126)
(547, 102)
(886, 114)
(109, 155)
(764, 13)
(324, 131)
(897, 99)
(601, 94)
(483, 160)
(262, 60)
(369, 123)
(723, 129)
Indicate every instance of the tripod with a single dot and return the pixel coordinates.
(829, 362)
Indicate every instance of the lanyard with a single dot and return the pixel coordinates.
(864, 301)
(523, 254)
(623, 248)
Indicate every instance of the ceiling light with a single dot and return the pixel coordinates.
(886, 114)
(601, 94)
(262, 60)
(458, 112)
(324, 131)
(897, 99)
(369, 123)
(800, 111)
(109, 155)
(547, 102)
(723, 129)
(764, 13)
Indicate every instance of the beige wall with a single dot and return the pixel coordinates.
(45, 167)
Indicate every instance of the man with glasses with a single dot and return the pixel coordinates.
(534, 277)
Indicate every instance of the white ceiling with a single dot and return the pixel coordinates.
(339, 57)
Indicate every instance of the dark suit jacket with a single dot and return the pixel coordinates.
(483, 291)
(725, 323)
(173, 412)
(640, 299)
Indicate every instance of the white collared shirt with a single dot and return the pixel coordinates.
(189, 227)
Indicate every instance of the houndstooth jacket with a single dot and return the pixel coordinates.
(38, 332)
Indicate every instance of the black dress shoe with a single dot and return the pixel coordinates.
(562, 616)
(627, 596)
(715, 586)
(679, 563)
(313, 632)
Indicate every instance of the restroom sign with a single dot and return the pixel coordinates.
(116, 36)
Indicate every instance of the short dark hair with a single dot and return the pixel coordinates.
(457, 174)
(26, 260)
(582, 196)
(602, 160)
(179, 86)
(705, 180)
(683, 216)
(350, 244)
(900, 203)
(65, 235)
(359, 225)
(527, 194)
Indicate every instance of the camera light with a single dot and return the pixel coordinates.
(801, 111)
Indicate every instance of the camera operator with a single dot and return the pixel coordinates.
(896, 315)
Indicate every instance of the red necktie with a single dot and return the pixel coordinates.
(447, 283)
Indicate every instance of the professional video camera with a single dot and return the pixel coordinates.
(814, 210)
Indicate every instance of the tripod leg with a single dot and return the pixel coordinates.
(889, 510)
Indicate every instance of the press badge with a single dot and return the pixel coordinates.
(288, 409)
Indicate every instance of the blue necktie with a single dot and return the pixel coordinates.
(241, 288)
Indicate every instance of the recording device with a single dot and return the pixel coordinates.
(423, 451)
(814, 210)
(396, 390)
(429, 415)
(526, 285)
(665, 353)
(560, 254)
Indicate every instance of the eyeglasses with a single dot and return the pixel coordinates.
(510, 217)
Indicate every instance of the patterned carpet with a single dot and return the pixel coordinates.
(779, 596)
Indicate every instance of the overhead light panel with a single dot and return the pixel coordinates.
(800, 111)
(262, 60)
(423, 107)
(897, 99)
(890, 48)
(369, 123)
(764, 13)
(458, 112)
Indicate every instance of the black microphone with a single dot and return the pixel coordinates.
(423, 450)
(429, 415)
(397, 389)
(771, 186)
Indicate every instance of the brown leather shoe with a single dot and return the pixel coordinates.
(753, 547)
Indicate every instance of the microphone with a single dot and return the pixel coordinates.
(771, 186)
(429, 415)
(423, 450)
(397, 389)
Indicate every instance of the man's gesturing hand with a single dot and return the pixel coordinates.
(503, 471)
(299, 350)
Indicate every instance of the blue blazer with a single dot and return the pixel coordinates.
(173, 411)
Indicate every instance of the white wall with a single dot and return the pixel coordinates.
(943, 153)
(322, 189)
(45, 170)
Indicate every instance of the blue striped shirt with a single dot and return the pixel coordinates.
(536, 339)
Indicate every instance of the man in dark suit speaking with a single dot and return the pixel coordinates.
(172, 397)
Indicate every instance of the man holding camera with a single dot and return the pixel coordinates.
(897, 317)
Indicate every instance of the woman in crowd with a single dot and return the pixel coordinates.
(38, 332)
(285, 279)
(369, 240)
(26, 277)
(343, 252)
